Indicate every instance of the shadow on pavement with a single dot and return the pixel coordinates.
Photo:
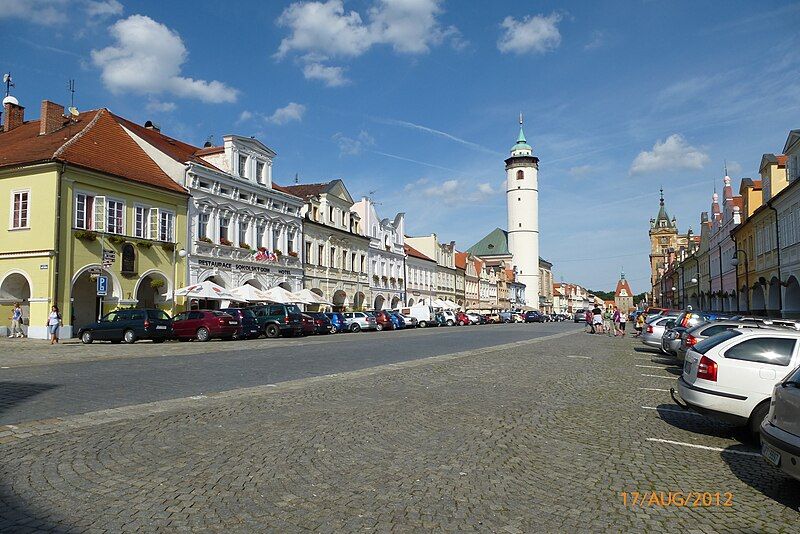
(15, 514)
(649, 350)
(699, 424)
(759, 475)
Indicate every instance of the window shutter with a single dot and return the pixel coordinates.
(154, 221)
(100, 214)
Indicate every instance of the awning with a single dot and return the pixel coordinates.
(205, 291)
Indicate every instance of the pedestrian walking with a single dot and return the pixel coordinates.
(597, 320)
(589, 322)
(615, 318)
(623, 321)
(53, 324)
(16, 321)
(639, 325)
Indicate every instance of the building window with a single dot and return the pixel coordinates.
(520, 174)
(276, 238)
(166, 226)
(290, 241)
(242, 165)
(333, 257)
(242, 232)
(223, 228)
(320, 254)
(85, 207)
(140, 222)
(260, 171)
(330, 214)
(20, 209)
(260, 229)
(115, 217)
(202, 226)
(308, 252)
(353, 261)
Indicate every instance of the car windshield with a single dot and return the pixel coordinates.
(293, 309)
(248, 313)
(158, 314)
(708, 344)
(220, 313)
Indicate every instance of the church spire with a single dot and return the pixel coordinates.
(521, 147)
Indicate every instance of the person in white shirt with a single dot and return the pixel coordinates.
(53, 324)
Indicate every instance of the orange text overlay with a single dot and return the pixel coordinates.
(687, 499)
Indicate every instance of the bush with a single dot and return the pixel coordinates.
(244, 246)
(223, 241)
(292, 253)
(118, 239)
(155, 283)
(205, 239)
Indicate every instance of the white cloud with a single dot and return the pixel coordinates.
(49, 12)
(532, 34)
(244, 116)
(433, 131)
(412, 186)
(581, 170)
(290, 112)
(734, 167)
(597, 41)
(674, 153)
(147, 58)
(103, 8)
(323, 30)
(349, 146)
(444, 189)
(331, 76)
(485, 188)
(156, 106)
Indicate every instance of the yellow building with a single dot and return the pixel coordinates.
(85, 202)
(756, 236)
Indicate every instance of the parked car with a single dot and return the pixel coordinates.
(322, 324)
(411, 322)
(449, 317)
(358, 321)
(338, 323)
(533, 317)
(462, 319)
(424, 314)
(694, 335)
(279, 319)
(492, 318)
(308, 324)
(505, 316)
(248, 324)
(671, 340)
(476, 318)
(129, 326)
(731, 375)
(579, 316)
(383, 321)
(780, 430)
(204, 325)
(397, 320)
(654, 330)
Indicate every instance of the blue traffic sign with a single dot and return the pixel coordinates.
(102, 286)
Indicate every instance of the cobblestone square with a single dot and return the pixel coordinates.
(544, 434)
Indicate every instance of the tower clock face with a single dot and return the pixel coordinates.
(623, 293)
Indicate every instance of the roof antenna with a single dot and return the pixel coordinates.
(520, 118)
(726, 166)
(296, 178)
(8, 83)
(72, 92)
(209, 141)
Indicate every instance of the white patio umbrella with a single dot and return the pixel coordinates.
(248, 293)
(205, 291)
(281, 296)
(449, 304)
(312, 298)
(439, 303)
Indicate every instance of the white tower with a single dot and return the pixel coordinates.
(522, 196)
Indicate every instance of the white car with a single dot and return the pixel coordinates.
(449, 317)
(474, 318)
(654, 330)
(731, 375)
(780, 431)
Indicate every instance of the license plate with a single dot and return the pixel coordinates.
(772, 456)
(253, 331)
(161, 327)
(232, 322)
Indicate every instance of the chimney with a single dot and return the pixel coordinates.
(14, 116)
(51, 118)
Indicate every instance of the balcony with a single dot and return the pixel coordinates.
(205, 248)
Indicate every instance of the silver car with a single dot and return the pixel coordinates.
(358, 321)
(780, 431)
(654, 330)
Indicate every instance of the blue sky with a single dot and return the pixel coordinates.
(417, 100)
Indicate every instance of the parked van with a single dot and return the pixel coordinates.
(425, 315)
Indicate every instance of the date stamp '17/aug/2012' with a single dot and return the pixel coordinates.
(680, 499)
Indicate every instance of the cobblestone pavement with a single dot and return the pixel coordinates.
(537, 436)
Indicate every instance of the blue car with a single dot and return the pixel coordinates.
(337, 322)
(397, 320)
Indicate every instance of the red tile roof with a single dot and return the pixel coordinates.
(94, 140)
(411, 251)
(623, 284)
(306, 191)
(461, 260)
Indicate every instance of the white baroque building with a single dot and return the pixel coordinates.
(243, 229)
(386, 255)
(335, 250)
(420, 277)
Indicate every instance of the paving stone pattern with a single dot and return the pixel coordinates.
(521, 439)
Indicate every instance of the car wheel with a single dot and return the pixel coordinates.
(87, 338)
(272, 331)
(460, 323)
(129, 336)
(450, 322)
(379, 327)
(355, 328)
(757, 417)
(423, 324)
(203, 334)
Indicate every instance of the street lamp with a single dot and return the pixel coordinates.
(735, 263)
(175, 253)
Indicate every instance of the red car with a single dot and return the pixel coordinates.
(308, 325)
(204, 325)
(462, 319)
(384, 322)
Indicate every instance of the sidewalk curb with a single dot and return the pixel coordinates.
(15, 432)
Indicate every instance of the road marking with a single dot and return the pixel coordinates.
(659, 376)
(586, 357)
(5, 367)
(655, 389)
(675, 410)
(198, 397)
(653, 366)
(704, 447)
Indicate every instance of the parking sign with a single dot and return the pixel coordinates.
(102, 286)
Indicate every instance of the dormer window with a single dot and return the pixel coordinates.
(242, 165)
(260, 171)
(330, 214)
